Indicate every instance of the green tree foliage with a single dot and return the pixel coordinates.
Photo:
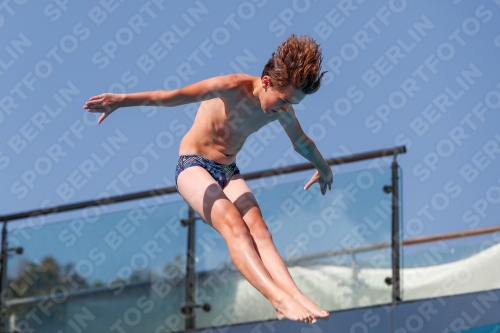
(45, 277)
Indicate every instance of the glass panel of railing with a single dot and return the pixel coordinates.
(451, 267)
(337, 247)
(99, 271)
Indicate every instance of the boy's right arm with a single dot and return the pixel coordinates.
(196, 92)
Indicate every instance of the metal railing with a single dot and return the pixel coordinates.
(188, 308)
(386, 245)
(291, 261)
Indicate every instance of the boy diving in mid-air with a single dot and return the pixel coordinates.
(233, 107)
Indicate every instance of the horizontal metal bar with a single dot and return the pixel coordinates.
(407, 242)
(452, 235)
(172, 189)
(339, 252)
(90, 203)
(331, 161)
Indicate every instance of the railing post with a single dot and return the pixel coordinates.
(3, 278)
(395, 243)
(190, 260)
(188, 310)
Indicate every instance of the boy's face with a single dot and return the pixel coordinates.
(273, 101)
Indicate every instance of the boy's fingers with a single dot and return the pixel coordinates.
(92, 104)
(101, 118)
(309, 183)
(93, 109)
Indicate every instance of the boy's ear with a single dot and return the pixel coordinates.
(266, 82)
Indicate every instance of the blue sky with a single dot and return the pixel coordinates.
(423, 74)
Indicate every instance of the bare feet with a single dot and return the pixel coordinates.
(308, 304)
(287, 307)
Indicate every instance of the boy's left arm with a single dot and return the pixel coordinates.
(307, 148)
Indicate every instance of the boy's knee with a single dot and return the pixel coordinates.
(236, 226)
(260, 231)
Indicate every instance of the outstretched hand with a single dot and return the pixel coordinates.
(105, 103)
(324, 181)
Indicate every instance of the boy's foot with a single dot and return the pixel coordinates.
(287, 307)
(308, 304)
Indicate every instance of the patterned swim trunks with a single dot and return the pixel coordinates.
(220, 172)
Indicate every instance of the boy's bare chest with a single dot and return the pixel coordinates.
(236, 120)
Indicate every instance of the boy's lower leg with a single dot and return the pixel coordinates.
(248, 262)
(281, 276)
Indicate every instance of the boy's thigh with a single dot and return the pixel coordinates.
(200, 190)
(240, 194)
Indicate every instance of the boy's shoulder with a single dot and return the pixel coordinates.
(237, 83)
(235, 80)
